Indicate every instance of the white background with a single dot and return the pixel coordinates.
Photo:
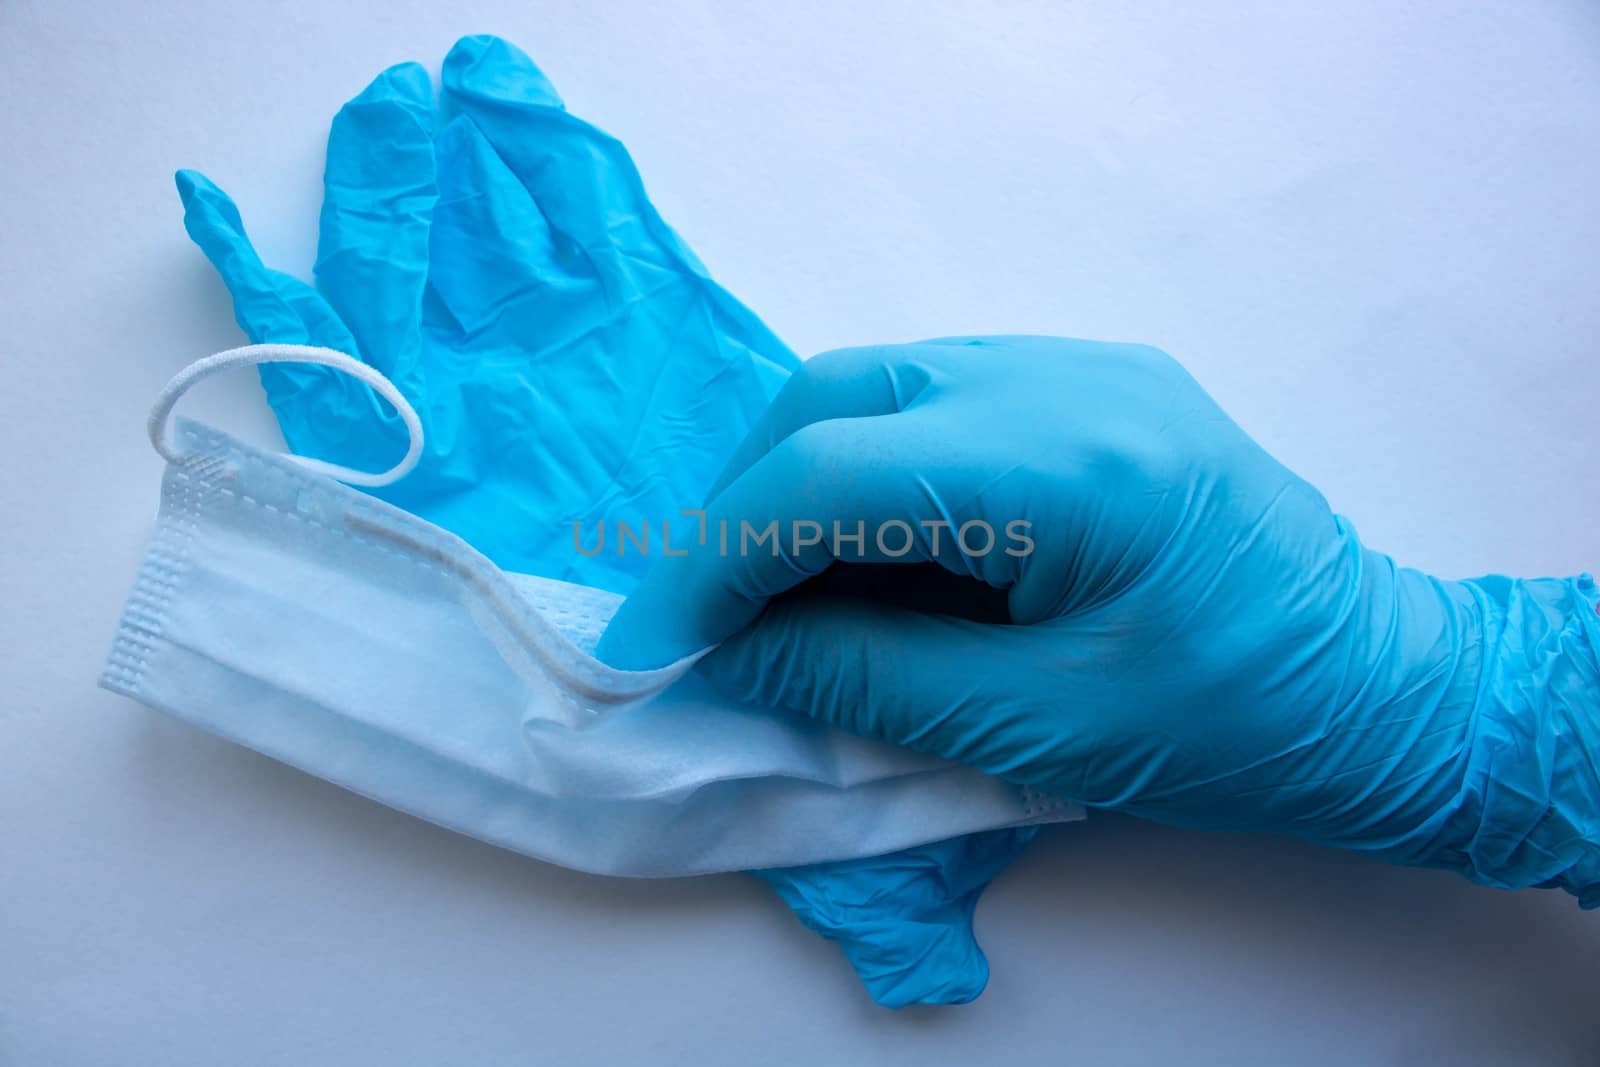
(1372, 232)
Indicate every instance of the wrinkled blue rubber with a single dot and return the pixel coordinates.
(905, 921)
(1195, 637)
(572, 361)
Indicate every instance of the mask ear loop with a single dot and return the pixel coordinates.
(160, 423)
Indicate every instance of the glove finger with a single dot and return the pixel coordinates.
(588, 188)
(378, 202)
(843, 384)
(904, 921)
(495, 264)
(495, 66)
(583, 179)
(862, 490)
(269, 305)
(907, 677)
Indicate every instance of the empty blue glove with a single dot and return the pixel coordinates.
(1190, 634)
(570, 358)
(572, 363)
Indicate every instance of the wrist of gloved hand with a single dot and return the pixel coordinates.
(1533, 774)
(1516, 800)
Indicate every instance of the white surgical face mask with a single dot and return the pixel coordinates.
(327, 629)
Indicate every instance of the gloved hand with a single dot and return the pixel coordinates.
(1193, 635)
(572, 361)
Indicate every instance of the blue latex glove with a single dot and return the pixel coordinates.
(572, 362)
(570, 358)
(1195, 637)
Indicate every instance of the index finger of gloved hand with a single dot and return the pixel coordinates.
(847, 383)
(379, 195)
(584, 180)
(867, 490)
(905, 677)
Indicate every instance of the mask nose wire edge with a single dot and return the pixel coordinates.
(608, 686)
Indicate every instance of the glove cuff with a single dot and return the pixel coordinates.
(1528, 813)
